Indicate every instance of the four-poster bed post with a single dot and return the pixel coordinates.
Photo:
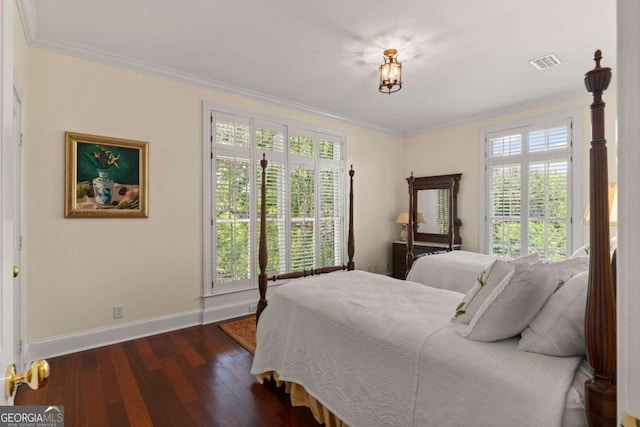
(600, 315)
(263, 279)
(351, 239)
(411, 224)
(262, 249)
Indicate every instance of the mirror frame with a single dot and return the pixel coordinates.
(436, 183)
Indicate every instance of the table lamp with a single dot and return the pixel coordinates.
(403, 219)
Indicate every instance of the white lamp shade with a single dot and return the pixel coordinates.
(403, 218)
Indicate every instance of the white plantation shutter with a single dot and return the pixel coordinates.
(548, 208)
(301, 143)
(271, 142)
(303, 218)
(276, 217)
(232, 220)
(331, 197)
(504, 209)
(230, 130)
(305, 180)
(503, 144)
(269, 136)
(548, 139)
(330, 148)
(330, 218)
(302, 199)
(528, 190)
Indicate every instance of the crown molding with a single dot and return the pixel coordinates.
(27, 11)
(515, 109)
(34, 39)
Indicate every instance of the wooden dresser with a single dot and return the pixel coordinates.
(400, 254)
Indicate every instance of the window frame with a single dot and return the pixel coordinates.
(209, 153)
(575, 176)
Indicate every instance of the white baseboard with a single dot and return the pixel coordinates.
(93, 338)
(221, 312)
(216, 308)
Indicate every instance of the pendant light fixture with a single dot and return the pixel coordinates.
(390, 73)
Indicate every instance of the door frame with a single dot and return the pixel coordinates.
(19, 295)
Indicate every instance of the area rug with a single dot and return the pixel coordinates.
(243, 331)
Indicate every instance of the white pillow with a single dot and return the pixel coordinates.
(514, 303)
(585, 249)
(581, 251)
(486, 282)
(558, 329)
(524, 259)
(570, 267)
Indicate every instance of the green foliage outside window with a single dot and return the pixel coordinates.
(301, 145)
(302, 211)
(326, 150)
(302, 202)
(274, 175)
(232, 219)
(547, 229)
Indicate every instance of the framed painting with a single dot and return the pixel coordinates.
(105, 177)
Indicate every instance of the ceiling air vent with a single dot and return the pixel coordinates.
(545, 62)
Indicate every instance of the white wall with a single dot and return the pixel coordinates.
(80, 268)
(456, 149)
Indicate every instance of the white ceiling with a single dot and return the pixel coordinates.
(462, 59)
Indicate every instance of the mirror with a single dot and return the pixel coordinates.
(434, 206)
(436, 198)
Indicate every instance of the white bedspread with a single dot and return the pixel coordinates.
(455, 270)
(356, 341)
(464, 382)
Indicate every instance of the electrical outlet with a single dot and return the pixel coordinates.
(253, 308)
(118, 311)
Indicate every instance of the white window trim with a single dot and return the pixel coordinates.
(575, 178)
(208, 186)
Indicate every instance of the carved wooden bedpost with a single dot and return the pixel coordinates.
(600, 317)
(262, 249)
(452, 215)
(410, 226)
(351, 241)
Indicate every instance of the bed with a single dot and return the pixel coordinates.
(364, 349)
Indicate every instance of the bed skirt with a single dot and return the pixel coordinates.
(300, 397)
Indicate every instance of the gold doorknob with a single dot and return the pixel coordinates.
(36, 377)
(16, 271)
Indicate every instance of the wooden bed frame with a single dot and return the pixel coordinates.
(600, 315)
(262, 250)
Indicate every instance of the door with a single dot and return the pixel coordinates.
(7, 196)
(10, 226)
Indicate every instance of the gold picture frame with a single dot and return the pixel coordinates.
(105, 177)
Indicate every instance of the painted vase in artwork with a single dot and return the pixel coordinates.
(103, 187)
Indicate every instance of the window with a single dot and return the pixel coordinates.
(528, 198)
(305, 177)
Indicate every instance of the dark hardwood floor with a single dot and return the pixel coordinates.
(192, 377)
